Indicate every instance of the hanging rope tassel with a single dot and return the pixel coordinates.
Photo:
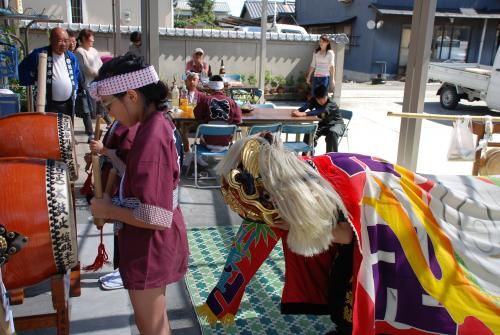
(102, 255)
(87, 185)
(101, 258)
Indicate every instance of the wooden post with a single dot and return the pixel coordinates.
(59, 319)
(422, 26)
(41, 83)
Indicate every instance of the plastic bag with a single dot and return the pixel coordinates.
(462, 145)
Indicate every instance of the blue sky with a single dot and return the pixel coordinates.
(236, 6)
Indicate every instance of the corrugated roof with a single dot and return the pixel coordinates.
(185, 32)
(219, 6)
(254, 8)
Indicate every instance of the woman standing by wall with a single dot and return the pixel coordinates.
(322, 65)
(83, 103)
(89, 59)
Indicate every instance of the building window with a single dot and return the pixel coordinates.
(76, 11)
(450, 42)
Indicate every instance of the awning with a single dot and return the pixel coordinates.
(469, 13)
(315, 22)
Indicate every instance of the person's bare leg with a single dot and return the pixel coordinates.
(150, 311)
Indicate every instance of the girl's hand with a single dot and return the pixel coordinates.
(96, 146)
(101, 207)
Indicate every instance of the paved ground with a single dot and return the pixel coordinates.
(371, 132)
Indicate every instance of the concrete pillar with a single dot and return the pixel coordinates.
(150, 32)
(116, 28)
(263, 48)
(422, 26)
(339, 70)
(168, 19)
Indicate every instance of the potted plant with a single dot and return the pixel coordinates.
(290, 84)
(268, 78)
(274, 85)
(301, 83)
(280, 83)
(252, 80)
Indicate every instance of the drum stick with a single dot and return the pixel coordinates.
(41, 82)
(110, 183)
(96, 171)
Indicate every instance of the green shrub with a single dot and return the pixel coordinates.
(252, 80)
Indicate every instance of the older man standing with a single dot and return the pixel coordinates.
(62, 73)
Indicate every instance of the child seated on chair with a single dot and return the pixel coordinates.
(217, 108)
(331, 125)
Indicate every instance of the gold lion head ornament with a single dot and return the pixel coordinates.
(263, 182)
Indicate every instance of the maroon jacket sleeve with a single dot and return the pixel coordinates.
(236, 112)
(201, 109)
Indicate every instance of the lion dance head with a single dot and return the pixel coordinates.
(263, 182)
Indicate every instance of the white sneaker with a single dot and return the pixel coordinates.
(114, 283)
(109, 276)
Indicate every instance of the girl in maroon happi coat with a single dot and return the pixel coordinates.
(153, 241)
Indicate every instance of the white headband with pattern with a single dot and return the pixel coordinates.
(216, 85)
(123, 82)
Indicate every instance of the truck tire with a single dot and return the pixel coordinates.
(449, 98)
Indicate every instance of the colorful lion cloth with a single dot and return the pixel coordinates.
(426, 256)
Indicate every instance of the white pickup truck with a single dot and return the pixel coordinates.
(469, 81)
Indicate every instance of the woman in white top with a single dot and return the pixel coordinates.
(322, 65)
(88, 57)
(90, 62)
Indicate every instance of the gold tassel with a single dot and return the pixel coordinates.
(227, 320)
(205, 313)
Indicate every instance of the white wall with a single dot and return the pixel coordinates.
(56, 8)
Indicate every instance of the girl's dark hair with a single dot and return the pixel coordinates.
(326, 39)
(153, 93)
(84, 34)
(135, 36)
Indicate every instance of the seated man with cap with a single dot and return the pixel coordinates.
(217, 107)
(197, 64)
